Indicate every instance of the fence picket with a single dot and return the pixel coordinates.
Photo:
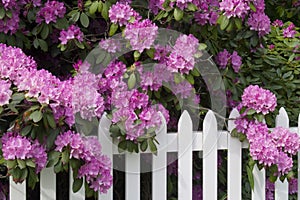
(184, 142)
(234, 168)
(210, 154)
(281, 188)
(259, 191)
(17, 190)
(80, 195)
(132, 166)
(48, 184)
(185, 160)
(107, 149)
(159, 166)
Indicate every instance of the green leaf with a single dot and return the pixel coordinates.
(26, 130)
(45, 31)
(51, 138)
(100, 6)
(2, 12)
(18, 97)
(61, 23)
(75, 16)
(79, 44)
(152, 146)
(65, 157)
(234, 133)
(250, 177)
(21, 163)
(251, 112)
(131, 81)
(150, 53)
(36, 116)
(178, 14)
(202, 46)
(192, 7)
(77, 184)
(84, 20)
(93, 7)
(113, 28)
(32, 178)
(51, 120)
(190, 79)
(122, 146)
(136, 55)
(24, 174)
(36, 43)
(53, 158)
(104, 11)
(30, 163)
(1, 109)
(252, 7)
(238, 23)
(11, 164)
(223, 21)
(43, 44)
(144, 145)
(58, 167)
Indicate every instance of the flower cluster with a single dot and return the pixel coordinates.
(15, 146)
(73, 32)
(51, 11)
(141, 34)
(96, 167)
(182, 56)
(268, 148)
(122, 13)
(259, 22)
(290, 31)
(234, 8)
(261, 100)
(224, 57)
(64, 97)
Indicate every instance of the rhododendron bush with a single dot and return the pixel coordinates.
(67, 63)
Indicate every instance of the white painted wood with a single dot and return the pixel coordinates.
(132, 167)
(210, 135)
(48, 184)
(159, 165)
(107, 149)
(282, 188)
(185, 164)
(80, 195)
(259, 191)
(234, 175)
(17, 191)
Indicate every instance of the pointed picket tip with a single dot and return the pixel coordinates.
(233, 115)
(185, 122)
(210, 121)
(282, 119)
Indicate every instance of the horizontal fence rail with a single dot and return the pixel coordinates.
(184, 142)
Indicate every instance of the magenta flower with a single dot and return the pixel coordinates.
(73, 32)
(236, 61)
(141, 34)
(259, 22)
(122, 13)
(290, 31)
(5, 92)
(234, 8)
(15, 147)
(50, 12)
(259, 99)
(223, 58)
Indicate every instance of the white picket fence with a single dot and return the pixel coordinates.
(209, 141)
